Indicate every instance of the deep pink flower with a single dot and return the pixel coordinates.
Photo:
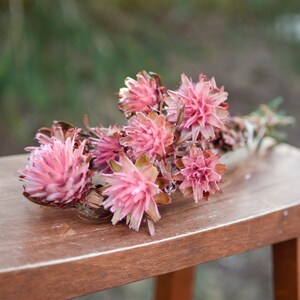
(57, 173)
(105, 147)
(148, 134)
(203, 106)
(200, 173)
(132, 190)
(140, 95)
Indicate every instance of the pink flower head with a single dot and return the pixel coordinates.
(105, 147)
(203, 106)
(200, 173)
(57, 173)
(132, 190)
(60, 131)
(140, 95)
(151, 135)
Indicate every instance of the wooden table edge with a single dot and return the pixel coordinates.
(139, 262)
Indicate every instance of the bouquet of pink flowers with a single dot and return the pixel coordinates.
(174, 139)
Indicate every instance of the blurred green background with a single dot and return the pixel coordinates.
(61, 59)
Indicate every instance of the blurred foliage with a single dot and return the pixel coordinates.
(62, 58)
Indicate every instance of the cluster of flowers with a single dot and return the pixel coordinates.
(173, 140)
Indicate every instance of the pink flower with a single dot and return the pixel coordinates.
(200, 173)
(140, 95)
(105, 147)
(132, 190)
(203, 106)
(57, 173)
(151, 135)
(60, 131)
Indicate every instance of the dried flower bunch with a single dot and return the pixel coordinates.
(174, 139)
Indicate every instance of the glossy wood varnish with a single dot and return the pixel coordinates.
(53, 254)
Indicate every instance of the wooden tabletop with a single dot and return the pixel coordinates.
(53, 254)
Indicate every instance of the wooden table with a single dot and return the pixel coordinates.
(52, 254)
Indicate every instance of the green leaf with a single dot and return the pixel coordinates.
(143, 161)
(275, 103)
(115, 166)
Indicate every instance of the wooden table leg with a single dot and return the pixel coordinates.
(286, 269)
(176, 285)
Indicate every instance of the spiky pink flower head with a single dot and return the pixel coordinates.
(57, 173)
(132, 190)
(59, 130)
(200, 173)
(140, 95)
(148, 134)
(202, 104)
(105, 147)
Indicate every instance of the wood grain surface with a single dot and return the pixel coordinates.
(176, 285)
(286, 269)
(53, 253)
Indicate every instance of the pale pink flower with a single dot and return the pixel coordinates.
(140, 95)
(60, 131)
(148, 134)
(105, 147)
(200, 173)
(57, 173)
(132, 190)
(202, 104)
